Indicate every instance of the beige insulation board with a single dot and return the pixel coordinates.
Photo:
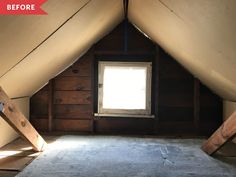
(200, 35)
(96, 19)
(20, 34)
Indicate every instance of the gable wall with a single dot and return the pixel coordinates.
(173, 94)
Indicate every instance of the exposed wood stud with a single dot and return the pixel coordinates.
(92, 58)
(222, 135)
(50, 105)
(126, 36)
(126, 6)
(13, 116)
(156, 91)
(196, 103)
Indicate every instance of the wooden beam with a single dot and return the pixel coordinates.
(126, 4)
(196, 104)
(93, 88)
(222, 135)
(126, 36)
(50, 105)
(13, 116)
(156, 87)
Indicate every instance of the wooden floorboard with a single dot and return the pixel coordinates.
(15, 156)
(5, 173)
(14, 163)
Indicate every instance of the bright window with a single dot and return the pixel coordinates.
(124, 88)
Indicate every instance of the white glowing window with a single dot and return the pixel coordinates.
(124, 87)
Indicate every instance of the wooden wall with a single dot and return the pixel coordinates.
(180, 103)
(71, 99)
(185, 104)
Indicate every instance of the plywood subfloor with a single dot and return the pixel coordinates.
(6, 173)
(15, 156)
(124, 156)
(15, 163)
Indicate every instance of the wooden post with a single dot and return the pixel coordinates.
(222, 135)
(156, 87)
(13, 116)
(50, 105)
(93, 91)
(196, 104)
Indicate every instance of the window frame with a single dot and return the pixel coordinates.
(101, 67)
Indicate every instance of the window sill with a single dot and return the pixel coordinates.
(123, 115)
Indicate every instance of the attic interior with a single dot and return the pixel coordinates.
(136, 85)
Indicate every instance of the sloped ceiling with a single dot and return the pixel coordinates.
(36, 48)
(199, 34)
(21, 34)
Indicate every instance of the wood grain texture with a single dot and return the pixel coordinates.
(73, 83)
(108, 44)
(73, 111)
(124, 125)
(40, 123)
(82, 67)
(224, 133)
(15, 163)
(171, 113)
(50, 104)
(196, 103)
(72, 125)
(75, 91)
(173, 99)
(64, 124)
(40, 102)
(13, 116)
(72, 97)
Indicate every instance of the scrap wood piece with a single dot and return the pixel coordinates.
(15, 163)
(13, 116)
(222, 135)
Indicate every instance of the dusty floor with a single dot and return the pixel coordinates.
(123, 156)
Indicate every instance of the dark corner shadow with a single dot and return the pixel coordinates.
(227, 154)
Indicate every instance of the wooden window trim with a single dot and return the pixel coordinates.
(147, 111)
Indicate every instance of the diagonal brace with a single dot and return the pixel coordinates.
(226, 132)
(13, 116)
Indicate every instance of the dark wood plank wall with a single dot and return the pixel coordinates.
(180, 103)
(72, 99)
